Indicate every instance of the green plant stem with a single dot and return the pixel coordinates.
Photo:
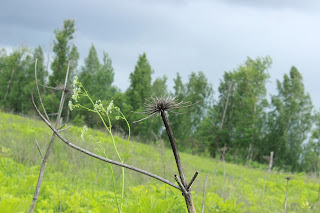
(112, 175)
(113, 141)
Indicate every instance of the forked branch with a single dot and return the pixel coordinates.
(46, 156)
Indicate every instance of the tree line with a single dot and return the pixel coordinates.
(240, 125)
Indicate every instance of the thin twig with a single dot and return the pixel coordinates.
(39, 148)
(40, 99)
(99, 157)
(61, 130)
(192, 180)
(54, 88)
(61, 126)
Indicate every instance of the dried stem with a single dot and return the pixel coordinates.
(100, 157)
(39, 148)
(45, 159)
(187, 195)
(285, 200)
(40, 99)
(181, 185)
(192, 180)
(64, 129)
(204, 194)
(160, 105)
(174, 149)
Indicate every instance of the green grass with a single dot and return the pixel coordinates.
(74, 182)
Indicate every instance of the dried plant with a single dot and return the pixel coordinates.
(45, 158)
(160, 105)
(152, 107)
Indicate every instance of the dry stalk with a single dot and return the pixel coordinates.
(285, 200)
(204, 194)
(160, 105)
(45, 159)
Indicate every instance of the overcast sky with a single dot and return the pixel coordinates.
(178, 35)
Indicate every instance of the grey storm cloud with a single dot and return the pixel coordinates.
(178, 36)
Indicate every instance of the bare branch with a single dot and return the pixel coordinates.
(45, 159)
(40, 99)
(61, 126)
(144, 118)
(53, 114)
(98, 156)
(39, 148)
(61, 130)
(192, 180)
(181, 185)
(54, 88)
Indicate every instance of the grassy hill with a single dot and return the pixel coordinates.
(74, 182)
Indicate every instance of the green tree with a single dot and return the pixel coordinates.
(179, 122)
(238, 115)
(311, 151)
(139, 91)
(250, 100)
(185, 126)
(98, 79)
(140, 83)
(64, 51)
(159, 87)
(16, 81)
(289, 121)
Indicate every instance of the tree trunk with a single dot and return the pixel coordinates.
(249, 153)
(223, 118)
(271, 161)
(8, 86)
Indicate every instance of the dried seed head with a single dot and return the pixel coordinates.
(161, 104)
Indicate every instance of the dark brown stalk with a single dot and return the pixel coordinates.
(98, 156)
(187, 194)
(192, 180)
(45, 159)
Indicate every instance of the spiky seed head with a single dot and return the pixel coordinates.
(161, 104)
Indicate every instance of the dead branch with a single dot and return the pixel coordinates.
(40, 99)
(39, 148)
(192, 180)
(45, 159)
(100, 157)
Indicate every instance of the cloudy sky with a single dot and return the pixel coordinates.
(178, 35)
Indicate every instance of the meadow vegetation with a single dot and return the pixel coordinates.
(74, 182)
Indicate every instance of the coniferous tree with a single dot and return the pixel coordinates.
(97, 78)
(139, 91)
